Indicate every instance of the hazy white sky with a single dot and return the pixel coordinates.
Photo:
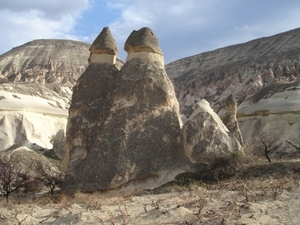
(183, 27)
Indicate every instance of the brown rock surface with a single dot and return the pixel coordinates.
(142, 40)
(104, 43)
(230, 119)
(130, 134)
(123, 129)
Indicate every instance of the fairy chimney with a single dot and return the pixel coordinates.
(104, 49)
(143, 44)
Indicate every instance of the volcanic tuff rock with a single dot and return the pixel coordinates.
(123, 127)
(229, 118)
(143, 44)
(104, 43)
(273, 110)
(104, 48)
(143, 40)
(205, 137)
(45, 61)
(32, 112)
(241, 70)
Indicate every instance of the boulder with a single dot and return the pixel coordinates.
(143, 40)
(205, 136)
(143, 44)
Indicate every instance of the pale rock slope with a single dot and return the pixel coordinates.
(46, 61)
(32, 113)
(273, 110)
(205, 137)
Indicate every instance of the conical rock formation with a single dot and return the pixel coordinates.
(143, 44)
(104, 49)
(123, 128)
(230, 120)
(205, 136)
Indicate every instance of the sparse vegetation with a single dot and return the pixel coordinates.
(50, 177)
(235, 189)
(11, 179)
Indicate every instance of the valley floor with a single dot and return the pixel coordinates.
(268, 200)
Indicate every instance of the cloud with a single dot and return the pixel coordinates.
(184, 28)
(189, 27)
(172, 21)
(25, 20)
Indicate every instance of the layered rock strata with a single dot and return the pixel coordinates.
(241, 70)
(274, 110)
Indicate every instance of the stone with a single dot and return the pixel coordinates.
(104, 43)
(205, 136)
(230, 119)
(143, 44)
(31, 112)
(59, 144)
(123, 129)
(91, 102)
(247, 67)
(104, 48)
(143, 40)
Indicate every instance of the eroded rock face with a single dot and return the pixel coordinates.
(273, 110)
(123, 129)
(229, 118)
(205, 136)
(241, 70)
(32, 112)
(91, 102)
(47, 61)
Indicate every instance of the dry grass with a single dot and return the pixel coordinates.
(238, 199)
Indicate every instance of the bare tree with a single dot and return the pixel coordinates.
(269, 143)
(11, 179)
(50, 177)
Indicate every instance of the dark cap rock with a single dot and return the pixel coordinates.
(104, 43)
(143, 40)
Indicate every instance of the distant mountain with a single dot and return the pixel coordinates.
(264, 77)
(45, 61)
(241, 69)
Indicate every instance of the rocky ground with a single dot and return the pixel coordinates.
(258, 194)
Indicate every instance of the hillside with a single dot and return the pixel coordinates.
(45, 61)
(241, 69)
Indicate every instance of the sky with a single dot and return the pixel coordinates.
(183, 27)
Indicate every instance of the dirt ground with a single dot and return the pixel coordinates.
(271, 198)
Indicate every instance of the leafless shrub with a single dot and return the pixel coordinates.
(11, 179)
(264, 144)
(155, 204)
(50, 177)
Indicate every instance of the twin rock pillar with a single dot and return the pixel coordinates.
(124, 126)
